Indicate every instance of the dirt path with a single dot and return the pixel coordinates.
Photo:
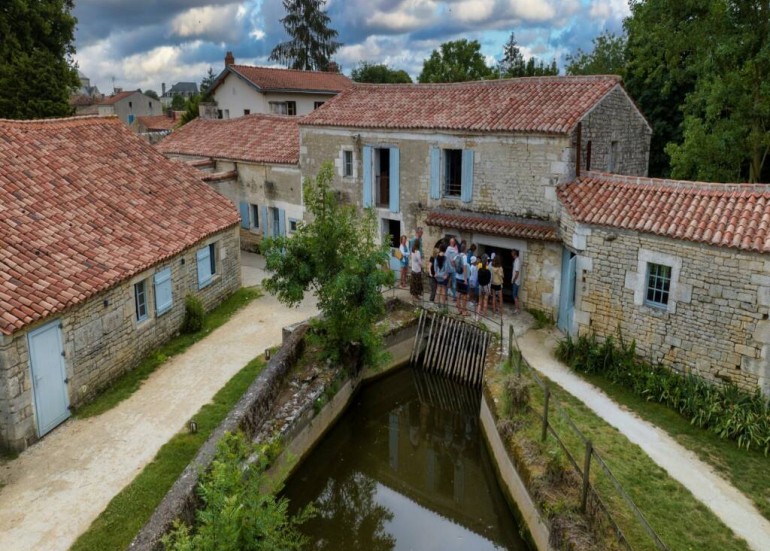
(730, 505)
(56, 488)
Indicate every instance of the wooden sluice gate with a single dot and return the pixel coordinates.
(451, 347)
(446, 395)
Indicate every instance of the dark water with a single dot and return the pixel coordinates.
(405, 468)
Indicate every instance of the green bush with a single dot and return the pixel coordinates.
(194, 315)
(725, 410)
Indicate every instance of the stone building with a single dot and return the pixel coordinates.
(254, 162)
(478, 160)
(127, 106)
(103, 238)
(681, 267)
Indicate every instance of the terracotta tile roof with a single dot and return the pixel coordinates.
(220, 176)
(492, 224)
(551, 105)
(85, 204)
(272, 79)
(157, 122)
(110, 100)
(725, 215)
(254, 138)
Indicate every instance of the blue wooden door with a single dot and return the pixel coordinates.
(567, 297)
(49, 377)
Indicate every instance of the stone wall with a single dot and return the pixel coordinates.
(716, 321)
(102, 338)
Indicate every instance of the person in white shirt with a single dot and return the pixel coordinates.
(516, 280)
(415, 283)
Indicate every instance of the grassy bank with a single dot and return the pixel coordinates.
(128, 511)
(128, 383)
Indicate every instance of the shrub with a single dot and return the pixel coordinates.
(193, 315)
(725, 410)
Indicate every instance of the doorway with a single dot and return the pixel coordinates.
(49, 377)
(391, 228)
(382, 176)
(567, 295)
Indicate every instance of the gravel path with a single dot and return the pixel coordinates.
(57, 487)
(730, 505)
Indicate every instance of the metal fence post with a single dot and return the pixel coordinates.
(547, 392)
(586, 476)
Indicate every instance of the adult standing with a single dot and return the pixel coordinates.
(516, 279)
(461, 277)
(415, 283)
(441, 271)
(417, 238)
(485, 281)
(451, 252)
(403, 248)
(497, 285)
(432, 274)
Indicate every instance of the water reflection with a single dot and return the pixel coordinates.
(405, 468)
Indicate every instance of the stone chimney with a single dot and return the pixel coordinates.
(229, 59)
(163, 88)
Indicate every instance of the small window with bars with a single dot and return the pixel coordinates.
(347, 163)
(658, 285)
(453, 164)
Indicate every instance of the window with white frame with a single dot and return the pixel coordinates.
(283, 107)
(140, 300)
(658, 285)
(347, 163)
(162, 288)
(207, 264)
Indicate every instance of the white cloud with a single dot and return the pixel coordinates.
(410, 15)
(472, 11)
(532, 10)
(609, 9)
(209, 21)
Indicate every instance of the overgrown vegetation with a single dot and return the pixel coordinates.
(194, 315)
(125, 385)
(240, 510)
(725, 410)
(337, 256)
(542, 319)
(128, 511)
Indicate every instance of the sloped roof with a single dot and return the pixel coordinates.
(506, 226)
(257, 138)
(550, 105)
(272, 79)
(115, 98)
(725, 215)
(183, 88)
(86, 204)
(157, 122)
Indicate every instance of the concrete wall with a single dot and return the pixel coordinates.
(235, 95)
(716, 322)
(102, 338)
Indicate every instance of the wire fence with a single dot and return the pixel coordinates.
(591, 502)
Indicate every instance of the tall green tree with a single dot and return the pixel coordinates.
(608, 57)
(337, 256)
(37, 73)
(513, 65)
(379, 74)
(178, 102)
(312, 43)
(456, 61)
(152, 94)
(207, 83)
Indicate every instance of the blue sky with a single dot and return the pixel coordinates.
(142, 43)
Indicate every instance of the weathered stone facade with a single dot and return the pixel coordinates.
(716, 321)
(102, 339)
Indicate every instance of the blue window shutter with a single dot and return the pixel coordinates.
(244, 208)
(394, 180)
(367, 176)
(282, 222)
(466, 193)
(203, 257)
(163, 294)
(263, 221)
(435, 172)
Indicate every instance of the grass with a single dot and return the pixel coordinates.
(128, 511)
(128, 383)
(747, 470)
(661, 498)
(542, 319)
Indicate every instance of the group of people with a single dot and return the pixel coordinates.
(456, 269)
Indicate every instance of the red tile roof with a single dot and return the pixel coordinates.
(550, 105)
(220, 176)
(272, 79)
(725, 215)
(157, 122)
(86, 204)
(115, 98)
(254, 138)
(491, 224)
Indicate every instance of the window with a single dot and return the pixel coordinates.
(130, 119)
(162, 287)
(220, 114)
(207, 264)
(317, 104)
(255, 216)
(140, 300)
(347, 163)
(283, 107)
(246, 112)
(130, 104)
(291, 107)
(150, 104)
(658, 285)
(382, 176)
(293, 225)
(453, 163)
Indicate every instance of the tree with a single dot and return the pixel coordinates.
(152, 94)
(312, 42)
(337, 256)
(37, 74)
(456, 61)
(191, 109)
(513, 65)
(608, 57)
(379, 73)
(207, 83)
(177, 102)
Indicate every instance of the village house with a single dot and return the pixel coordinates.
(103, 238)
(185, 90)
(478, 160)
(254, 162)
(154, 128)
(129, 105)
(242, 90)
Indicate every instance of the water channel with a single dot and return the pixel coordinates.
(405, 468)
